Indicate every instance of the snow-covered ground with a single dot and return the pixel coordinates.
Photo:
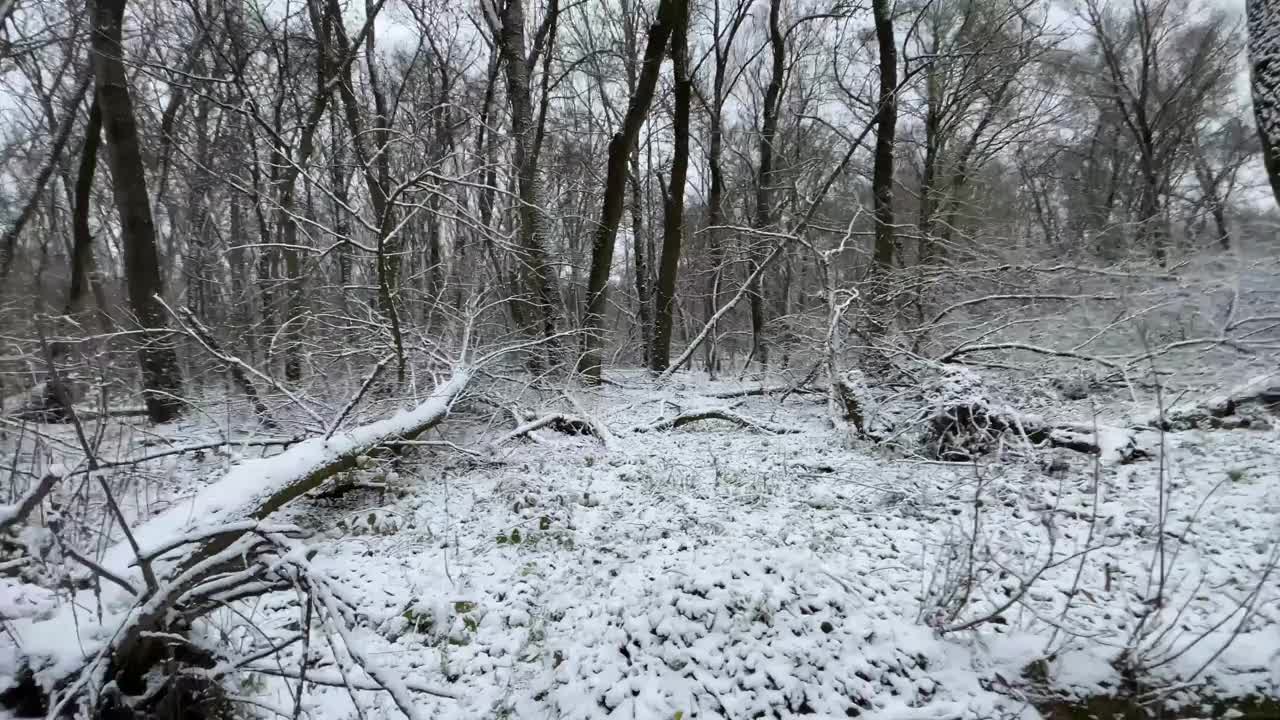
(714, 571)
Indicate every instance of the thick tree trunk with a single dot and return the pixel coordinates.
(764, 216)
(83, 268)
(589, 364)
(673, 209)
(643, 266)
(1264, 60)
(715, 194)
(886, 128)
(160, 375)
(541, 280)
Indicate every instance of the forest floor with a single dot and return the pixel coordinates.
(717, 571)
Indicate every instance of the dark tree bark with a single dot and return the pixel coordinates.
(615, 193)
(161, 378)
(375, 163)
(715, 151)
(83, 270)
(673, 208)
(640, 245)
(540, 274)
(1264, 61)
(765, 178)
(886, 128)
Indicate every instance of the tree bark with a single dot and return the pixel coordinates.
(643, 266)
(764, 216)
(1264, 61)
(161, 378)
(83, 270)
(673, 208)
(886, 128)
(540, 274)
(615, 193)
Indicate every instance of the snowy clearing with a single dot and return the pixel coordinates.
(717, 570)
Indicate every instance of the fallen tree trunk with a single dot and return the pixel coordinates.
(560, 422)
(1219, 411)
(129, 640)
(693, 416)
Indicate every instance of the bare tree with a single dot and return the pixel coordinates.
(161, 377)
(673, 205)
(589, 364)
(1160, 70)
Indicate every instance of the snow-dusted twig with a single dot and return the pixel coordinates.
(233, 360)
(752, 391)
(331, 679)
(206, 339)
(100, 571)
(1028, 296)
(355, 399)
(199, 535)
(385, 679)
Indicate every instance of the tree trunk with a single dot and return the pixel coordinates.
(160, 375)
(765, 180)
(886, 127)
(1264, 60)
(83, 267)
(1211, 197)
(715, 194)
(541, 279)
(615, 193)
(643, 271)
(673, 208)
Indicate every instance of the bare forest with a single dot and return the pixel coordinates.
(680, 359)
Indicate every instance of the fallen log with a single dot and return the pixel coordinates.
(726, 414)
(1221, 411)
(128, 641)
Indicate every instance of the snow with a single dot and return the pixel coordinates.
(225, 502)
(717, 571)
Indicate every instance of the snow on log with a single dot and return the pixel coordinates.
(560, 422)
(249, 491)
(693, 416)
(1216, 410)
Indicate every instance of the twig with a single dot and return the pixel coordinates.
(233, 360)
(355, 399)
(99, 570)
